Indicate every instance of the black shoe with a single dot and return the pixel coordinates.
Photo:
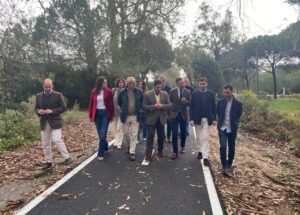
(47, 166)
(66, 161)
(132, 157)
(200, 157)
(206, 162)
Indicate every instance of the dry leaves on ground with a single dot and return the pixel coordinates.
(265, 179)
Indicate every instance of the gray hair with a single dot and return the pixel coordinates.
(130, 79)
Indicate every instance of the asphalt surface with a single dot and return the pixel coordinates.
(119, 186)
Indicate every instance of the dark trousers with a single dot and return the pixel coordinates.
(102, 122)
(169, 128)
(143, 127)
(151, 134)
(227, 138)
(179, 120)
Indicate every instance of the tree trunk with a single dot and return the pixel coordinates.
(274, 81)
(114, 30)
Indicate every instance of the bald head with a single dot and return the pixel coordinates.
(162, 79)
(48, 86)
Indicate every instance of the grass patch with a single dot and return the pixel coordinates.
(287, 163)
(73, 116)
(268, 154)
(289, 105)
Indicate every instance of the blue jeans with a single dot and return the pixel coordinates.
(143, 126)
(179, 120)
(227, 138)
(102, 122)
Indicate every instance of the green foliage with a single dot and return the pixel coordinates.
(16, 129)
(74, 115)
(144, 52)
(268, 154)
(259, 120)
(205, 65)
(212, 32)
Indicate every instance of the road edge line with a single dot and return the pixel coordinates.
(211, 189)
(33, 203)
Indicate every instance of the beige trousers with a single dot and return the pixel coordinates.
(202, 136)
(54, 135)
(130, 128)
(119, 133)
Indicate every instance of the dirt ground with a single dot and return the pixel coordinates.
(265, 179)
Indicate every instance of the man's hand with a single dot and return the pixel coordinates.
(214, 123)
(158, 106)
(41, 112)
(48, 111)
(192, 123)
(183, 99)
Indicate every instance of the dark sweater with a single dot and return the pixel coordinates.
(203, 105)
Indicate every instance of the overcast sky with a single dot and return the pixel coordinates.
(260, 16)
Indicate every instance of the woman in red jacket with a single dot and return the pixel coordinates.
(101, 111)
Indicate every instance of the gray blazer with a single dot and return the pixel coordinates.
(152, 114)
(177, 104)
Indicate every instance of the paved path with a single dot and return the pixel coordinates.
(119, 186)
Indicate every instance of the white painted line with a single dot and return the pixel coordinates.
(55, 186)
(211, 189)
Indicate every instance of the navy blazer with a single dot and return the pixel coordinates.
(196, 104)
(235, 113)
(166, 88)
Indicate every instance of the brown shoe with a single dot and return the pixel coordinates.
(66, 161)
(174, 156)
(132, 157)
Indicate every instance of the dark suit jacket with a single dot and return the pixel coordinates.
(208, 103)
(56, 104)
(152, 114)
(167, 88)
(177, 104)
(235, 113)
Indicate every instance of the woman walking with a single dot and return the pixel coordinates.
(118, 132)
(101, 112)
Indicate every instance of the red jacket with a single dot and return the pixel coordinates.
(108, 102)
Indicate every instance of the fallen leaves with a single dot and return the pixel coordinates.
(253, 187)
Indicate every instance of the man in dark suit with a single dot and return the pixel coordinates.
(202, 116)
(229, 111)
(49, 106)
(156, 104)
(167, 89)
(180, 99)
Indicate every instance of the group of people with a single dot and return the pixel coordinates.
(132, 108)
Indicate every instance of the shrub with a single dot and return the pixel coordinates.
(258, 119)
(74, 115)
(16, 129)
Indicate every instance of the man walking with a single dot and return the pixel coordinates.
(229, 111)
(202, 116)
(130, 101)
(49, 106)
(156, 104)
(180, 99)
(167, 89)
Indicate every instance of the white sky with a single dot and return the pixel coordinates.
(263, 16)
